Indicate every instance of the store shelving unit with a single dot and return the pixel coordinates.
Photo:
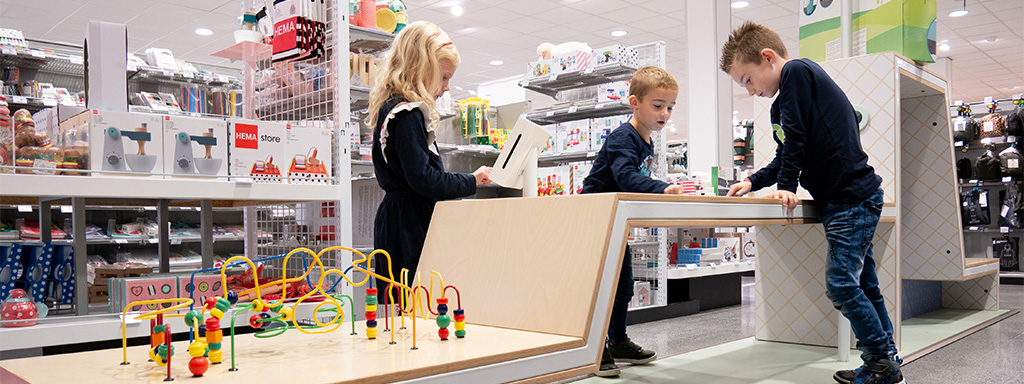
(579, 111)
(600, 74)
(978, 238)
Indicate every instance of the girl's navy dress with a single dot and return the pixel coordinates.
(409, 170)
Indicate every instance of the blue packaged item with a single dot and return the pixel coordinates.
(10, 268)
(36, 259)
(62, 278)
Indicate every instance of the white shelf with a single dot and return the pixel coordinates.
(151, 188)
(368, 40)
(567, 157)
(643, 244)
(600, 74)
(62, 330)
(476, 150)
(701, 271)
(588, 110)
(985, 229)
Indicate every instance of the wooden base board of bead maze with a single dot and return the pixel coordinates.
(294, 357)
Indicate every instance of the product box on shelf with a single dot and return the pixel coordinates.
(573, 136)
(551, 181)
(616, 53)
(572, 61)
(195, 146)
(125, 142)
(641, 294)
(48, 120)
(539, 68)
(10, 264)
(36, 258)
(577, 174)
(748, 245)
(257, 150)
(551, 147)
(601, 127)
(309, 154)
(614, 91)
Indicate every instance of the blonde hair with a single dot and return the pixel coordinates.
(647, 79)
(746, 42)
(411, 69)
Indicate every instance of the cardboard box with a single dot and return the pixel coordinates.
(572, 61)
(601, 127)
(73, 137)
(539, 68)
(104, 274)
(614, 91)
(904, 26)
(257, 150)
(552, 144)
(573, 136)
(616, 53)
(577, 174)
(98, 294)
(309, 154)
(641, 294)
(551, 181)
(126, 142)
(195, 146)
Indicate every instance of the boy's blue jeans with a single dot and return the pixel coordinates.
(623, 295)
(850, 279)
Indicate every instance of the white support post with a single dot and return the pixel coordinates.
(709, 90)
(530, 174)
(844, 337)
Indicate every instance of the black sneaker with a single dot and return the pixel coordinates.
(608, 367)
(872, 372)
(627, 351)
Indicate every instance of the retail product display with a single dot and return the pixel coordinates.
(195, 145)
(10, 268)
(310, 157)
(255, 145)
(964, 169)
(474, 113)
(508, 168)
(111, 132)
(987, 167)
(12, 37)
(36, 258)
(573, 136)
(1007, 250)
(974, 207)
(299, 30)
(993, 125)
(1015, 121)
(62, 278)
(161, 58)
(1010, 162)
(551, 181)
(6, 137)
(33, 150)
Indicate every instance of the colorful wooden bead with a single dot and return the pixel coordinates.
(197, 349)
(192, 318)
(286, 314)
(198, 366)
(254, 321)
(232, 297)
(443, 333)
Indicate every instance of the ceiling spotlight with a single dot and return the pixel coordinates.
(740, 3)
(991, 39)
(944, 47)
(960, 12)
(497, 62)
(619, 33)
(204, 31)
(457, 10)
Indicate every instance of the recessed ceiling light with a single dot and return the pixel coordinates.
(740, 3)
(457, 10)
(958, 13)
(619, 33)
(497, 62)
(991, 39)
(203, 31)
(944, 47)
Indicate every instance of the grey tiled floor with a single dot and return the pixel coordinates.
(992, 355)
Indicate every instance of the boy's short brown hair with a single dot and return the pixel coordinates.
(647, 79)
(746, 42)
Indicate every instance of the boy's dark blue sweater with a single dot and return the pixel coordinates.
(623, 165)
(818, 140)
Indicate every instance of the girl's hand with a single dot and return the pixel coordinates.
(483, 175)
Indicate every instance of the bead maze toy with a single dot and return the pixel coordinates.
(265, 171)
(273, 317)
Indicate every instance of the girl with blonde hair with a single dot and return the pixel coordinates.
(406, 160)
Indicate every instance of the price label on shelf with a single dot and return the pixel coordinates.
(1008, 179)
(713, 265)
(591, 153)
(972, 228)
(121, 241)
(1004, 229)
(188, 75)
(207, 77)
(129, 318)
(588, 71)
(24, 208)
(987, 140)
(958, 103)
(50, 102)
(8, 51)
(38, 54)
(153, 240)
(691, 267)
(750, 262)
(573, 109)
(168, 73)
(65, 209)
(75, 59)
(133, 67)
(958, 143)
(553, 77)
(549, 114)
(736, 263)
(175, 241)
(988, 99)
(599, 106)
(222, 78)
(19, 100)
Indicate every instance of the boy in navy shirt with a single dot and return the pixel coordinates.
(819, 146)
(624, 165)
